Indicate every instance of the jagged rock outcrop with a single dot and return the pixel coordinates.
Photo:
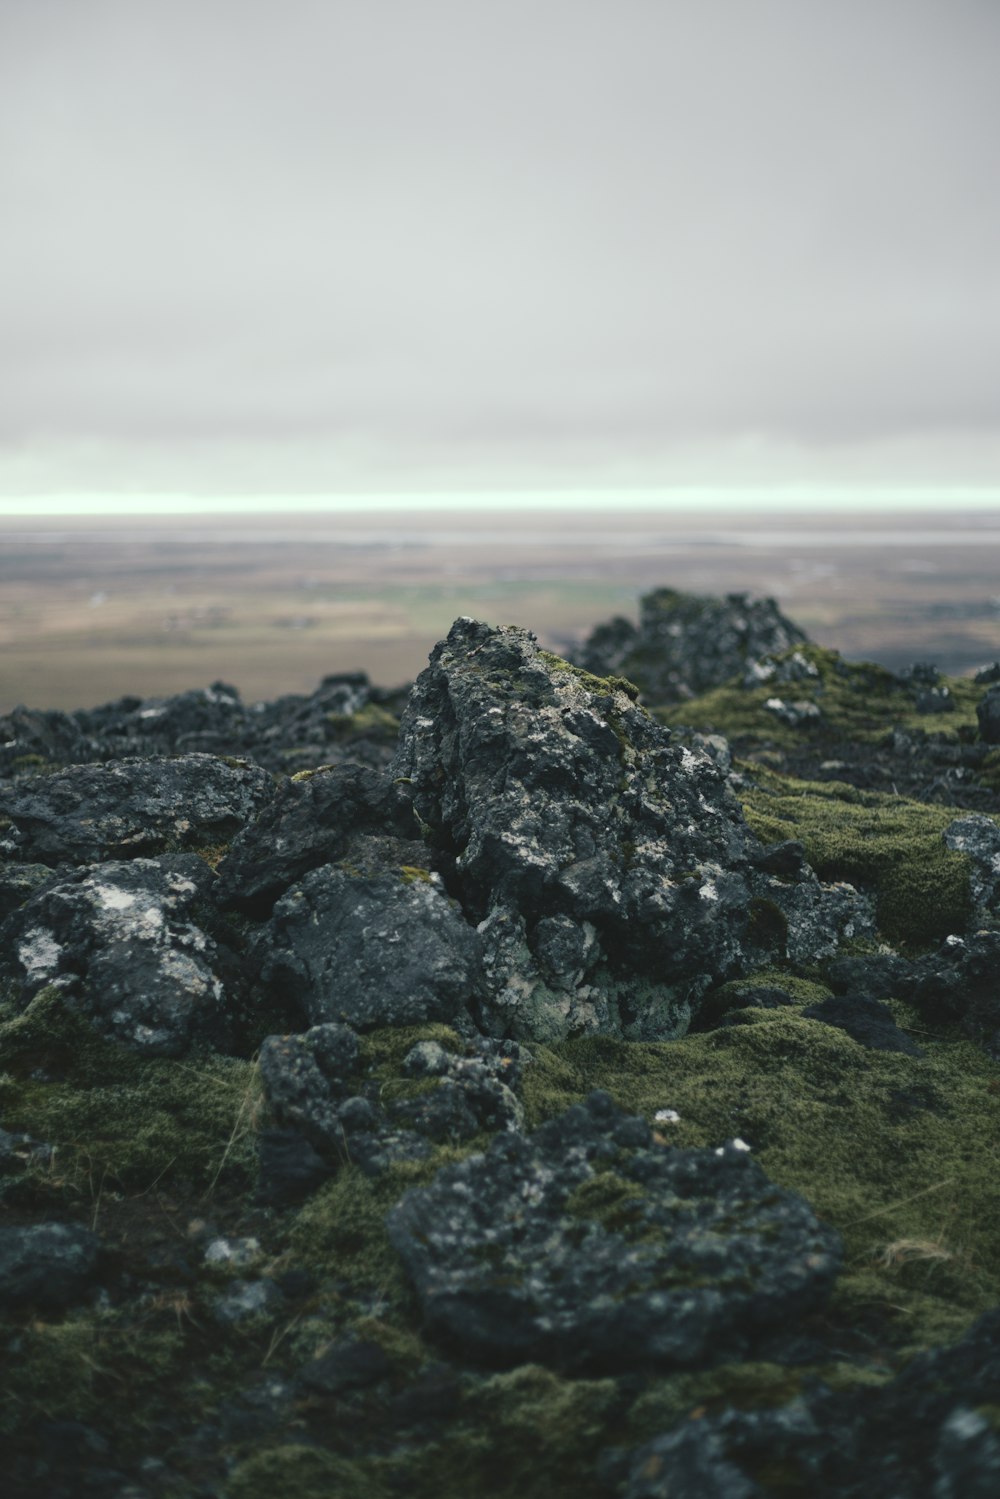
(128, 808)
(123, 943)
(609, 868)
(589, 1246)
(686, 643)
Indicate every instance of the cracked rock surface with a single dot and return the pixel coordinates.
(588, 1245)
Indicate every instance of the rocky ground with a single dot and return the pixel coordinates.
(564, 1078)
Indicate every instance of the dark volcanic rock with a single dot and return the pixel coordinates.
(46, 1264)
(686, 643)
(317, 819)
(128, 808)
(586, 1245)
(313, 1087)
(385, 950)
(924, 1435)
(608, 866)
(978, 836)
(31, 741)
(119, 940)
(958, 983)
(988, 714)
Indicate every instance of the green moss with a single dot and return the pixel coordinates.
(369, 721)
(64, 1370)
(412, 874)
(600, 686)
(823, 1117)
(127, 1119)
(608, 1199)
(301, 1472)
(526, 1434)
(857, 700)
(883, 843)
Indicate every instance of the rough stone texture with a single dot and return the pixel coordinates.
(686, 643)
(318, 819)
(586, 1245)
(32, 739)
(119, 940)
(608, 867)
(18, 882)
(923, 1435)
(128, 808)
(385, 950)
(46, 1264)
(315, 1091)
(978, 836)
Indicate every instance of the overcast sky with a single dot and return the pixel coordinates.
(309, 245)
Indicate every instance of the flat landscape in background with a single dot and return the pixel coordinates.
(94, 608)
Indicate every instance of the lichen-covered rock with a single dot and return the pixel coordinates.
(391, 949)
(607, 866)
(978, 836)
(313, 820)
(686, 643)
(120, 941)
(988, 714)
(587, 1245)
(128, 808)
(46, 1264)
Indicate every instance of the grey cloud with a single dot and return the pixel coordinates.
(504, 229)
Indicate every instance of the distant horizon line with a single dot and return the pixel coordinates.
(774, 497)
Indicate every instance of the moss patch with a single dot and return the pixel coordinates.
(127, 1119)
(886, 1147)
(882, 843)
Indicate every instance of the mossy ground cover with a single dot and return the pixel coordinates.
(882, 843)
(858, 701)
(898, 1153)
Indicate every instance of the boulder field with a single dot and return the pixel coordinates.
(573, 1085)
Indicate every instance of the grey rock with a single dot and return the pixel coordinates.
(588, 1246)
(687, 643)
(128, 808)
(988, 714)
(46, 1264)
(121, 943)
(606, 864)
(978, 837)
(385, 950)
(315, 820)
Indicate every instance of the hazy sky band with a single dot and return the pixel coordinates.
(475, 245)
(758, 500)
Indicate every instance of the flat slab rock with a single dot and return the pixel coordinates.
(128, 808)
(587, 1245)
